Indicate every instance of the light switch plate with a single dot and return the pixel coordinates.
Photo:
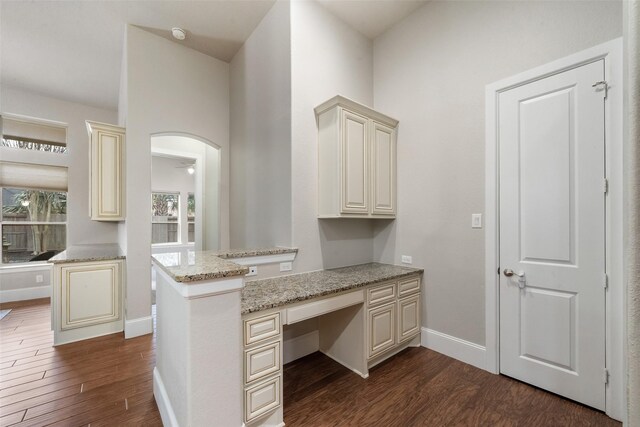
(253, 271)
(476, 220)
(407, 259)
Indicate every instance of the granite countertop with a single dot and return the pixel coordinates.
(263, 294)
(86, 253)
(194, 266)
(244, 253)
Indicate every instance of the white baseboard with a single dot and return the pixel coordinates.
(24, 294)
(462, 350)
(300, 346)
(162, 400)
(137, 327)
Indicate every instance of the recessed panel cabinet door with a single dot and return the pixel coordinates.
(383, 174)
(355, 173)
(382, 327)
(408, 317)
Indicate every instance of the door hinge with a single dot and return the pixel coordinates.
(605, 376)
(606, 281)
(606, 186)
(603, 86)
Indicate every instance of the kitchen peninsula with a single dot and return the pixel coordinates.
(219, 339)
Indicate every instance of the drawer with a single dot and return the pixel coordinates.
(262, 361)
(261, 328)
(408, 286)
(324, 306)
(261, 399)
(381, 294)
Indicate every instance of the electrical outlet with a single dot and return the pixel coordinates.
(476, 220)
(253, 270)
(286, 266)
(39, 278)
(407, 259)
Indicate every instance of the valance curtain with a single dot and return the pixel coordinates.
(32, 176)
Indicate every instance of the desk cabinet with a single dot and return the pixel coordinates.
(397, 320)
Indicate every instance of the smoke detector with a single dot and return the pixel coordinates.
(178, 33)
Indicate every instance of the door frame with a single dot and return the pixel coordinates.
(611, 52)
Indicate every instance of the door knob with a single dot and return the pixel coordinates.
(522, 282)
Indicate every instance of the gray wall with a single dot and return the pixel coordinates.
(328, 58)
(260, 132)
(430, 72)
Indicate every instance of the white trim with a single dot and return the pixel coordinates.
(464, 351)
(611, 52)
(204, 288)
(300, 346)
(138, 327)
(264, 259)
(162, 399)
(24, 294)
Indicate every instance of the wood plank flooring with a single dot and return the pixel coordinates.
(103, 381)
(107, 381)
(420, 387)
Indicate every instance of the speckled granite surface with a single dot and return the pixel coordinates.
(87, 253)
(263, 294)
(195, 266)
(243, 253)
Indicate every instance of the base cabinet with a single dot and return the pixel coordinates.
(87, 300)
(393, 315)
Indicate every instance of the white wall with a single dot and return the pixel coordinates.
(19, 285)
(328, 58)
(260, 193)
(174, 89)
(430, 72)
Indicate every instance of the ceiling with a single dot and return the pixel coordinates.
(72, 50)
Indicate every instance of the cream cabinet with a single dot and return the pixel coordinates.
(262, 339)
(106, 165)
(393, 316)
(356, 161)
(87, 300)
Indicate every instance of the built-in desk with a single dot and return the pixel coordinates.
(366, 314)
(219, 340)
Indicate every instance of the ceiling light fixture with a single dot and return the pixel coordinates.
(191, 170)
(25, 203)
(178, 33)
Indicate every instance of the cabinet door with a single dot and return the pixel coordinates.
(90, 294)
(383, 141)
(408, 317)
(355, 170)
(382, 327)
(107, 190)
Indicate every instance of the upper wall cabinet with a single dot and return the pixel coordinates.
(106, 160)
(356, 161)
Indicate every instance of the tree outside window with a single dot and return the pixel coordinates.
(33, 224)
(165, 227)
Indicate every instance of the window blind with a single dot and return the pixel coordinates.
(12, 128)
(34, 177)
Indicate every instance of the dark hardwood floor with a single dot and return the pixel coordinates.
(107, 381)
(420, 387)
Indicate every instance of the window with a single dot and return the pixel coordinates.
(33, 135)
(165, 224)
(34, 224)
(191, 217)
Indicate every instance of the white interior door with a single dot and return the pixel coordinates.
(552, 233)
